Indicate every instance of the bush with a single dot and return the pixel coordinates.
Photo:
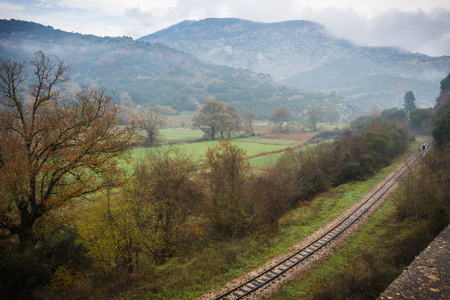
(441, 131)
(22, 273)
(364, 278)
(425, 196)
(351, 171)
(324, 135)
(353, 157)
(230, 206)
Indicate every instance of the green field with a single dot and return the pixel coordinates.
(198, 149)
(265, 161)
(188, 141)
(267, 141)
(182, 134)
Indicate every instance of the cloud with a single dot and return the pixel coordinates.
(371, 24)
(163, 16)
(418, 31)
(415, 25)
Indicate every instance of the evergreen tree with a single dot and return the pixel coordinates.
(441, 131)
(445, 83)
(410, 102)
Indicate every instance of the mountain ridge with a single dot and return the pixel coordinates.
(148, 74)
(293, 51)
(217, 38)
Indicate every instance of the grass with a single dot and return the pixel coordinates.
(265, 161)
(270, 159)
(267, 141)
(197, 150)
(368, 237)
(188, 278)
(170, 135)
(187, 140)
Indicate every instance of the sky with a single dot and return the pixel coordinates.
(414, 25)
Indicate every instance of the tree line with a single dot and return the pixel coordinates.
(218, 120)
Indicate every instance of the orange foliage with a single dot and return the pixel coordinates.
(54, 147)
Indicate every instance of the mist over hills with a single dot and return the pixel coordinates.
(236, 61)
(147, 74)
(303, 54)
(280, 49)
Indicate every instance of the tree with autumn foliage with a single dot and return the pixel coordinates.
(280, 116)
(54, 147)
(230, 208)
(148, 221)
(164, 194)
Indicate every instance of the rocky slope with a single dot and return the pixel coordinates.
(303, 54)
(281, 49)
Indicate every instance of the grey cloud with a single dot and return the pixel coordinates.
(428, 33)
(255, 10)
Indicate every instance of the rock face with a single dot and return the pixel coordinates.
(303, 54)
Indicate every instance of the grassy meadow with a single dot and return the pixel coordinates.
(262, 150)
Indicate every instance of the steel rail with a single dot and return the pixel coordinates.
(270, 275)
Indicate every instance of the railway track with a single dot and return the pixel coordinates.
(274, 273)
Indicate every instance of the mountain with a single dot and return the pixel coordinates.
(304, 54)
(280, 49)
(142, 73)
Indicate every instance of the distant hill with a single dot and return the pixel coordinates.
(142, 73)
(303, 54)
(280, 49)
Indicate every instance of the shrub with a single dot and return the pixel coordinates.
(230, 206)
(22, 273)
(352, 157)
(425, 196)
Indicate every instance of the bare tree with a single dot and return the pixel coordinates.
(248, 118)
(54, 147)
(236, 121)
(150, 121)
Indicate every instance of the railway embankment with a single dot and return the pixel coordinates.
(428, 276)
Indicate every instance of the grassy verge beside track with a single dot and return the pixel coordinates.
(366, 264)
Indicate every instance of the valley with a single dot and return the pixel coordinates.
(174, 165)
